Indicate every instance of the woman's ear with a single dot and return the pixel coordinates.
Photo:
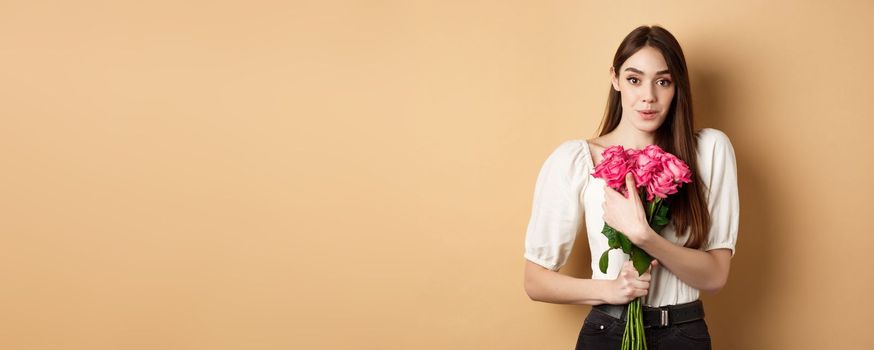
(613, 79)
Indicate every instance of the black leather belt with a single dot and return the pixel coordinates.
(659, 316)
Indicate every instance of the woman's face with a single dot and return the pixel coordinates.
(646, 89)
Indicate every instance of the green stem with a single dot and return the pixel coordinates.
(653, 208)
(634, 337)
(640, 324)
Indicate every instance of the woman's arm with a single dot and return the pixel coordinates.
(707, 271)
(549, 286)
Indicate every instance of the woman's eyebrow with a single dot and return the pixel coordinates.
(638, 71)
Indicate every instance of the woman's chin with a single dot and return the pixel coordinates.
(648, 125)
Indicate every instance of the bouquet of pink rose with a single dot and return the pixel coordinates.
(659, 173)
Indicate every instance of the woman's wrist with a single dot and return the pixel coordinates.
(605, 290)
(644, 237)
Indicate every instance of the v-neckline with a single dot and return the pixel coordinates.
(591, 156)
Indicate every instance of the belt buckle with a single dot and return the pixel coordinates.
(664, 320)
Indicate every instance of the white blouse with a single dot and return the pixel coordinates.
(566, 189)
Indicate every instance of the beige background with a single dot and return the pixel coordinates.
(359, 174)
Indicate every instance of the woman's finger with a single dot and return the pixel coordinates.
(652, 265)
(641, 276)
(632, 188)
(640, 284)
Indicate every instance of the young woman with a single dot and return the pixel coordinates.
(650, 102)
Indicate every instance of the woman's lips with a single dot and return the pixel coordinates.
(648, 114)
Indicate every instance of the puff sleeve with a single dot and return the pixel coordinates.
(722, 191)
(557, 210)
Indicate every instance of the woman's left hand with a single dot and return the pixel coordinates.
(626, 214)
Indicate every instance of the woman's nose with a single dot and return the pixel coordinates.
(648, 95)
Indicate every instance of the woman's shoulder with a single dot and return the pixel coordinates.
(571, 147)
(709, 138)
(714, 147)
(573, 154)
(710, 134)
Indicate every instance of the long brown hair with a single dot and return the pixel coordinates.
(688, 207)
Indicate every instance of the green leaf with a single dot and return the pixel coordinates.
(663, 211)
(612, 236)
(604, 261)
(660, 219)
(608, 231)
(613, 242)
(640, 259)
(625, 243)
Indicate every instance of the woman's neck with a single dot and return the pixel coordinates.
(630, 137)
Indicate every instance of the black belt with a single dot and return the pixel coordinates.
(658, 316)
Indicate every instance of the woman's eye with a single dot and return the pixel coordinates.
(666, 82)
(632, 80)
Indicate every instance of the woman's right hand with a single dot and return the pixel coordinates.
(628, 285)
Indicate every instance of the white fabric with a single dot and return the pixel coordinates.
(565, 191)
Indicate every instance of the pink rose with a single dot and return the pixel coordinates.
(654, 152)
(643, 168)
(614, 167)
(676, 168)
(661, 173)
(661, 185)
(616, 151)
